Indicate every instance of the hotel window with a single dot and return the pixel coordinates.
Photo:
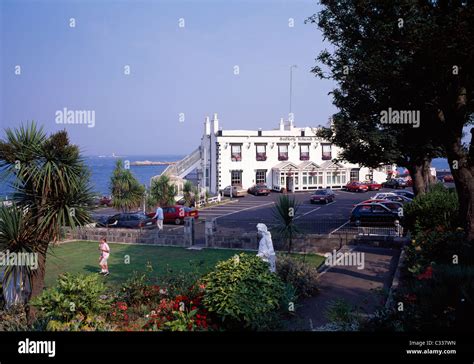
(320, 178)
(327, 155)
(282, 152)
(304, 152)
(236, 152)
(261, 176)
(236, 178)
(354, 174)
(261, 152)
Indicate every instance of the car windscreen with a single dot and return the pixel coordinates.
(321, 192)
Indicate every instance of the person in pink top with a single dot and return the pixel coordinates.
(104, 255)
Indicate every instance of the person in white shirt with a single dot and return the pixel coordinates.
(104, 255)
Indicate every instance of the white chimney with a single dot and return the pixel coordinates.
(207, 126)
(282, 124)
(215, 124)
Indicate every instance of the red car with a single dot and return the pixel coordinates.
(373, 186)
(176, 214)
(356, 186)
(448, 178)
(105, 200)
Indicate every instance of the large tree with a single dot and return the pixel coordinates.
(50, 184)
(403, 55)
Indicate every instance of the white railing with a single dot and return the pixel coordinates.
(210, 200)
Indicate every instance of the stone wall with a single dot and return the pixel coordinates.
(131, 236)
(308, 243)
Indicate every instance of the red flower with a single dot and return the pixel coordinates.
(427, 274)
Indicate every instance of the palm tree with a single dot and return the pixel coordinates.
(284, 213)
(163, 191)
(187, 191)
(51, 189)
(127, 193)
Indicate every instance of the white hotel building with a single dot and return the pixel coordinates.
(288, 158)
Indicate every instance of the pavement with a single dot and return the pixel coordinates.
(361, 288)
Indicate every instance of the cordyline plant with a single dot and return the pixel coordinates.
(284, 213)
(50, 184)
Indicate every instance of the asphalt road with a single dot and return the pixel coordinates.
(245, 212)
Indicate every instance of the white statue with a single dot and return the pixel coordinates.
(265, 247)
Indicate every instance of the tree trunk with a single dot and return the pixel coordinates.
(416, 173)
(461, 165)
(37, 282)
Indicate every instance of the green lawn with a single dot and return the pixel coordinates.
(83, 257)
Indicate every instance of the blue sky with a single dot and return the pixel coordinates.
(174, 70)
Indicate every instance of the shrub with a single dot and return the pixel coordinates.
(342, 317)
(13, 319)
(301, 275)
(243, 293)
(443, 296)
(438, 246)
(75, 303)
(136, 289)
(437, 208)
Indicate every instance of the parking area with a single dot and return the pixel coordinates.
(244, 213)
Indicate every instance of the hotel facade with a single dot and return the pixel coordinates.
(287, 158)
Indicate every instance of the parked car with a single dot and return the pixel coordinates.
(448, 178)
(130, 220)
(356, 186)
(392, 205)
(396, 198)
(105, 201)
(324, 196)
(236, 191)
(259, 189)
(395, 183)
(374, 213)
(373, 186)
(176, 214)
(405, 193)
(382, 195)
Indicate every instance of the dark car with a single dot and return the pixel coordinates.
(375, 213)
(259, 189)
(324, 196)
(130, 220)
(395, 183)
(405, 193)
(176, 214)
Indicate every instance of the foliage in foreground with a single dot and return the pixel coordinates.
(243, 293)
(299, 274)
(77, 302)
